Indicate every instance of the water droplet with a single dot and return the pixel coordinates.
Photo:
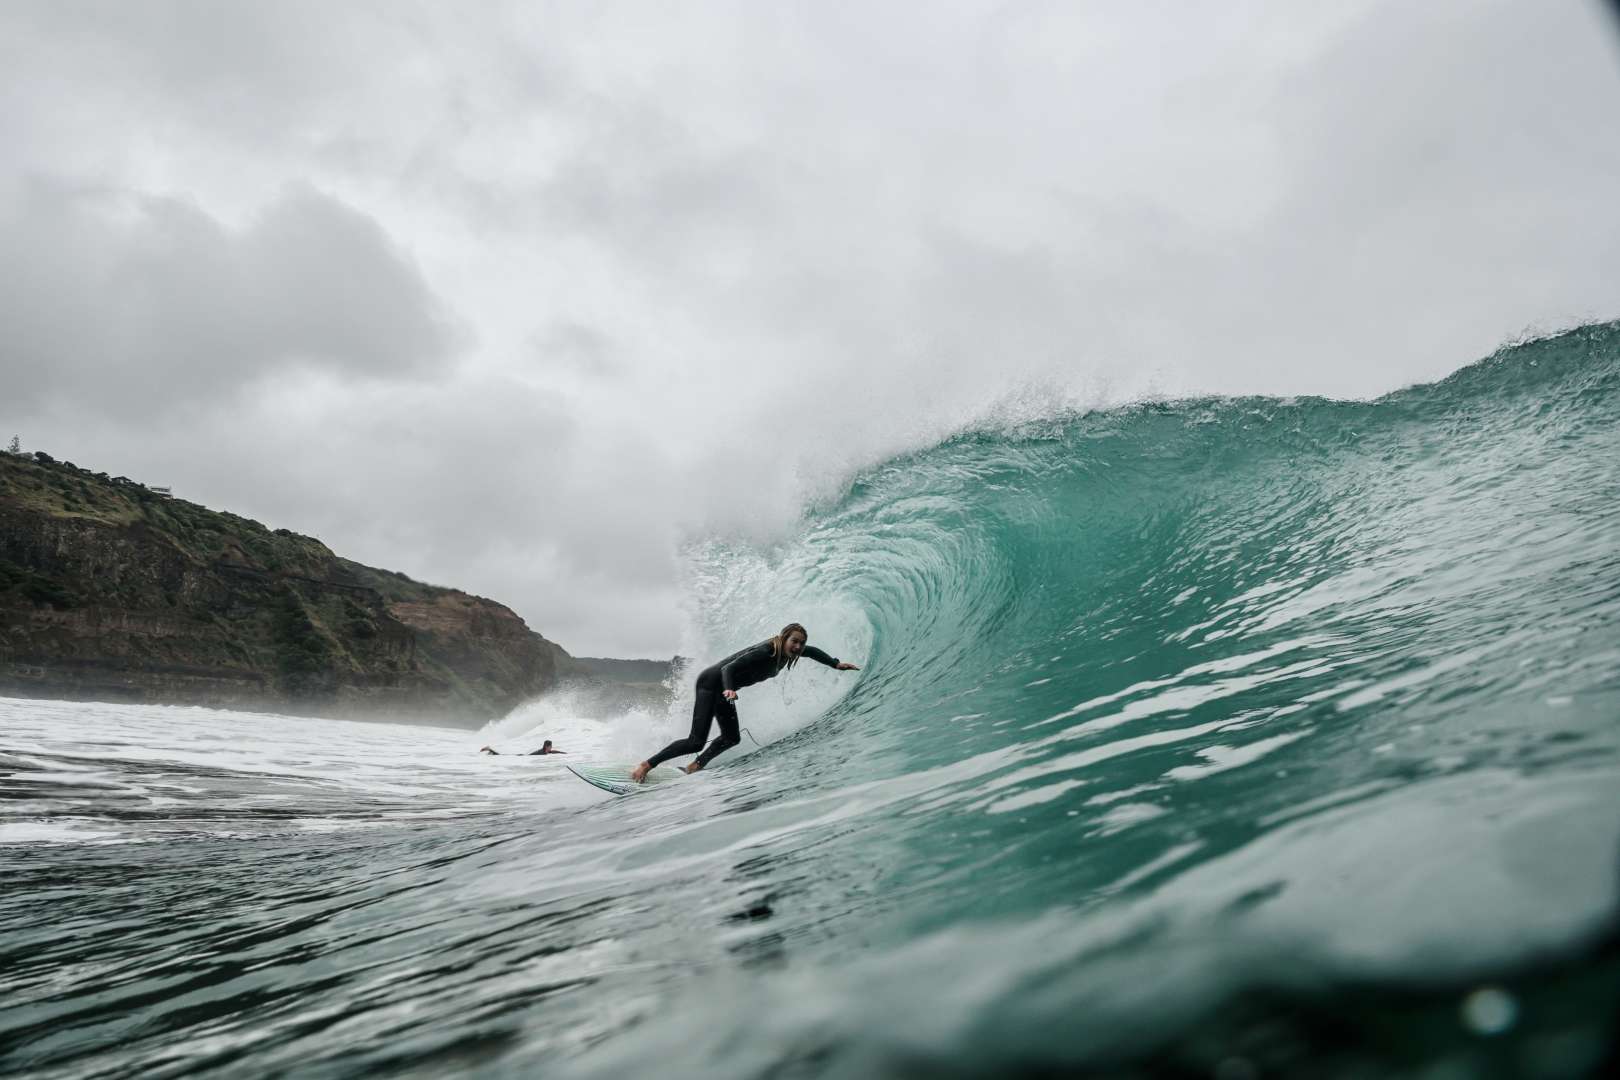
(1489, 1010)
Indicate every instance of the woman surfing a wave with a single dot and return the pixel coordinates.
(717, 688)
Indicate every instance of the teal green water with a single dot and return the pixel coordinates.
(1222, 738)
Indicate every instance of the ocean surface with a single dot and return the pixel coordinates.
(1226, 737)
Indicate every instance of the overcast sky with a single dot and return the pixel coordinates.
(518, 297)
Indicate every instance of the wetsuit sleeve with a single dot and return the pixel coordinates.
(728, 673)
(820, 657)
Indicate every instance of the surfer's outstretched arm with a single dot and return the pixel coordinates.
(831, 661)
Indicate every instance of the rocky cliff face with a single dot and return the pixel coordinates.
(112, 592)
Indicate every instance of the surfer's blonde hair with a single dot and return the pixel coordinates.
(779, 642)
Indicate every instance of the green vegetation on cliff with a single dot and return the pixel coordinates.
(110, 590)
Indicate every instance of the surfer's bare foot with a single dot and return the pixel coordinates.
(692, 768)
(639, 773)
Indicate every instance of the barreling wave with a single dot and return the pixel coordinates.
(1336, 678)
(1186, 558)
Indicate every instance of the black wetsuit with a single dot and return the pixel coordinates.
(742, 668)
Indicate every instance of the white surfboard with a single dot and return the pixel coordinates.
(616, 778)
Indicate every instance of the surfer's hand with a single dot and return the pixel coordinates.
(848, 667)
(730, 695)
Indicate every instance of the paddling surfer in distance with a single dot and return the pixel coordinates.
(717, 688)
(546, 748)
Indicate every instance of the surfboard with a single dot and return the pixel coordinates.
(615, 779)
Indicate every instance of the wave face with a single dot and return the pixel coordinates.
(1204, 614)
(1231, 736)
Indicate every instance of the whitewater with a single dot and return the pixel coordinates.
(1229, 737)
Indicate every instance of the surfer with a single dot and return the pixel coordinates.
(717, 688)
(545, 748)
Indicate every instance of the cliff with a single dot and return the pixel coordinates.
(111, 591)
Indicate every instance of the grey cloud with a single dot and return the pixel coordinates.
(1451, 185)
(578, 349)
(721, 255)
(244, 71)
(126, 302)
